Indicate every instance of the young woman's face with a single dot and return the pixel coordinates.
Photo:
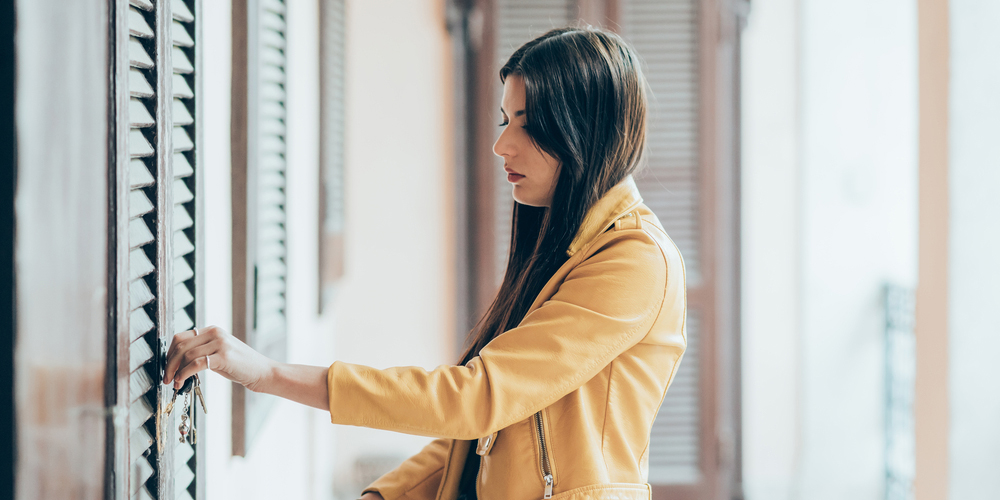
(532, 171)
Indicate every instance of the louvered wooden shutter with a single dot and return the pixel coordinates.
(157, 126)
(332, 146)
(666, 35)
(518, 21)
(259, 236)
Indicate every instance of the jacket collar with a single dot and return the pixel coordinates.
(618, 201)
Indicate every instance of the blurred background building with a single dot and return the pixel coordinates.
(316, 176)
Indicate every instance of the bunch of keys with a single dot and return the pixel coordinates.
(187, 431)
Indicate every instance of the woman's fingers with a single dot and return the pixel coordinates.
(196, 362)
(181, 344)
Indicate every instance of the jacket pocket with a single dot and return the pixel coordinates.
(607, 491)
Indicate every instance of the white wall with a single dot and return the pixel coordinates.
(829, 217)
(770, 252)
(974, 247)
(292, 456)
(395, 305)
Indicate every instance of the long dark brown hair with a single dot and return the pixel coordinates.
(585, 104)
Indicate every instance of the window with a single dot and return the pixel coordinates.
(156, 239)
(259, 236)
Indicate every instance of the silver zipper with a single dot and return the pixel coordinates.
(546, 465)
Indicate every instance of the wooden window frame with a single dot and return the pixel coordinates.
(717, 296)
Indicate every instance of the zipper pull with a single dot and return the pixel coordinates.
(548, 486)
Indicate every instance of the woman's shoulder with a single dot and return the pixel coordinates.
(637, 239)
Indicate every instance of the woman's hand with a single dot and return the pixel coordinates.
(229, 357)
(189, 354)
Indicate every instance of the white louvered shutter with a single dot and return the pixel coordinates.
(162, 223)
(259, 166)
(271, 165)
(665, 33)
(518, 22)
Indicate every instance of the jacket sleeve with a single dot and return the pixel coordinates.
(606, 304)
(418, 477)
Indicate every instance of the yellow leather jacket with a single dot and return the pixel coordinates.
(563, 404)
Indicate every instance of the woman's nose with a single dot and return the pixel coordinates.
(501, 147)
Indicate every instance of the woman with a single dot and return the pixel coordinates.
(591, 309)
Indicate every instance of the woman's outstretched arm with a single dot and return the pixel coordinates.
(236, 361)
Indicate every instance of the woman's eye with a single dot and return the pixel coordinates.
(504, 124)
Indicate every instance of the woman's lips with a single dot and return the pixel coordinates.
(511, 177)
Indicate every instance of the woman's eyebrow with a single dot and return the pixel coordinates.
(516, 113)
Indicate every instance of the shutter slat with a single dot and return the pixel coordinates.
(182, 167)
(272, 91)
(181, 11)
(142, 4)
(139, 413)
(139, 294)
(138, 85)
(181, 192)
(138, 264)
(271, 110)
(182, 245)
(137, 25)
(272, 38)
(139, 441)
(182, 89)
(139, 354)
(182, 296)
(272, 145)
(182, 322)
(139, 383)
(276, 6)
(181, 114)
(182, 141)
(139, 323)
(181, 36)
(270, 20)
(182, 64)
(138, 146)
(271, 287)
(269, 250)
(183, 453)
(271, 269)
(182, 271)
(138, 233)
(272, 56)
(182, 220)
(137, 54)
(138, 203)
(271, 161)
(271, 74)
(141, 472)
(138, 115)
(142, 494)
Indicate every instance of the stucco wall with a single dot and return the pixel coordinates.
(974, 244)
(829, 217)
